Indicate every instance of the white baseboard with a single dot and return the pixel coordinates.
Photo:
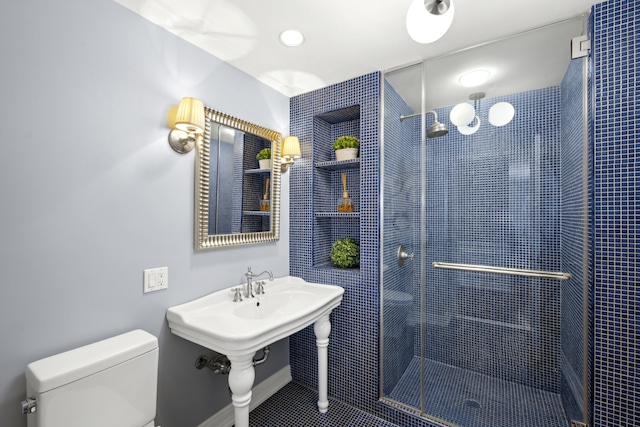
(259, 393)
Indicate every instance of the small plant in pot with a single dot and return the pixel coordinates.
(346, 147)
(264, 158)
(345, 253)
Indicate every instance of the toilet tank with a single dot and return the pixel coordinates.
(105, 384)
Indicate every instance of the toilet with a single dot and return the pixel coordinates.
(105, 384)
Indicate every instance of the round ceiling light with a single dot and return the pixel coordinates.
(462, 114)
(501, 113)
(291, 38)
(474, 78)
(429, 20)
(470, 130)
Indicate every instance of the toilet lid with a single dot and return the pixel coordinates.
(64, 368)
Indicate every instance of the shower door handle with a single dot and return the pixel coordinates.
(403, 255)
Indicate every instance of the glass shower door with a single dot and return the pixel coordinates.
(488, 324)
(400, 183)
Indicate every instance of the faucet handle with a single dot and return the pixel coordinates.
(260, 287)
(237, 296)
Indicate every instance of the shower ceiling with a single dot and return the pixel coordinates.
(533, 60)
(346, 39)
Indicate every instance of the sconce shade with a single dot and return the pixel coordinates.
(290, 152)
(190, 116)
(171, 116)
(291, 147)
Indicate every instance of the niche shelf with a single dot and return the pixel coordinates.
(339, 165)
(352, 215)
(257, 172)
(329, 224)
(256, 213)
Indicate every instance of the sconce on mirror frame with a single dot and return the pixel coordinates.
(186, 121)
(290, 152)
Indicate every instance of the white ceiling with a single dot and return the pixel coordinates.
(349, 38)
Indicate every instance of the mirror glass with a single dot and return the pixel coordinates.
(237, 199)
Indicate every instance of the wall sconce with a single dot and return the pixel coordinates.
(186, 121)
(290, 152)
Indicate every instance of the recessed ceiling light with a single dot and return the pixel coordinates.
(291, 38)
(474, 78)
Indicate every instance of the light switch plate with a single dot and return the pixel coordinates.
(156, 279)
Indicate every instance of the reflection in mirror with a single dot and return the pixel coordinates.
(237, 201)
(223, 184)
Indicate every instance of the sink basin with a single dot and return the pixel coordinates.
(239, 329)
(288, 305)
(269, 305)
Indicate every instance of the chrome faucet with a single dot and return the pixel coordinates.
(250, 276)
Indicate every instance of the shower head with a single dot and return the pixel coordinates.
(437, 129)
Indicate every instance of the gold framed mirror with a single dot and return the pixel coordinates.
(237, 202)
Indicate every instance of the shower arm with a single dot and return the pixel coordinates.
(435, 115)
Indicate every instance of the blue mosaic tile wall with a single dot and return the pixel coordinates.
(493, 198)
(317, 118)
(616, 56)
(576, 161)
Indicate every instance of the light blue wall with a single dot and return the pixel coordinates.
(92, 193)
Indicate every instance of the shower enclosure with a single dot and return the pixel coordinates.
(485, 239)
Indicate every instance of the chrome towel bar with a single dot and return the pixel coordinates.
(556, 275)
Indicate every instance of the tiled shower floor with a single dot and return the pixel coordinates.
(470, 399)
(295, 406)
(453, 394)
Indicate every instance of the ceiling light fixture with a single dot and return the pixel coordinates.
(501, 113)
(429, 20)
(474, 78)
(291, 38)
(463, 115)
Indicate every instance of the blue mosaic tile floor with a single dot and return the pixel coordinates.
(295, 406)
(470, 399)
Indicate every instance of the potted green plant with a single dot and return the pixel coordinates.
(264, 158)
(346, 147)
(345, 253)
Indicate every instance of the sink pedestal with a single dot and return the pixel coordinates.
(242, 375)
(322, 328)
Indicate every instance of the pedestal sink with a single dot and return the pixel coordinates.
(239, 329)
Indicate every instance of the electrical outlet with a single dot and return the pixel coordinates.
(156, 279)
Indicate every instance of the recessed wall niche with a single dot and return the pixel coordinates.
(331, 225)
